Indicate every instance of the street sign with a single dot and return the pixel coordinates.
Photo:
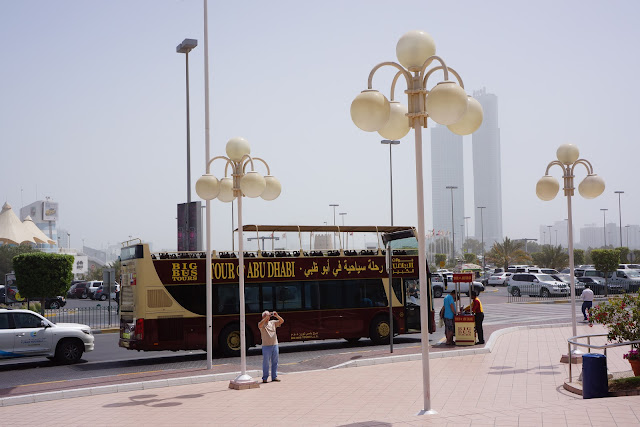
(441, 264)
(462, 277)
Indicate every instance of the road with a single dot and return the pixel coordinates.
(109, 360)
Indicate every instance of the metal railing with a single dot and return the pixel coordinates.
(95, 317)
(524, 293)
(574, 341)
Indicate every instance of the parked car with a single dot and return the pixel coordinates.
(437, 285)
(92, 287)
(548, 271)
(566, 279)
(55, 302)
(24, 333)
(499, 279)
(536, 284)
(628, 279)
(598, 287)
(101, 292)
(78, 290)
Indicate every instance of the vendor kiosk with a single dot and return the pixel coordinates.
(465, 326)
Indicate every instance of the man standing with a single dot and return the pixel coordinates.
(587, 300)
(270, 350)
(478, 313)
(449, 315)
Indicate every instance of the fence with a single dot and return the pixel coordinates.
(574, 341)
(536, 292)
(95, 317)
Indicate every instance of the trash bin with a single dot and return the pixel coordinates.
(594, 376)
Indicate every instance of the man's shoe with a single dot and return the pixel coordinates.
(265, 381)
(277, 380)
(480, 342)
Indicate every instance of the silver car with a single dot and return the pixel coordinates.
(536, 284)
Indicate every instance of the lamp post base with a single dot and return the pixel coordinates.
(429, 412)
(243, 382)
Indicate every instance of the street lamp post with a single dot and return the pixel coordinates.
(334, 206)
(391, 143)
(240, 183)
(453, 234)
(482, 208)
(185, 47)
(604, 225)
(619, 193)
(446, 103)
(591, 187)
(346, 235)
(627, 227)
(466, 234)
(549, 227)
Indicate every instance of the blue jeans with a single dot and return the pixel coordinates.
(586, 306)
(270, 355)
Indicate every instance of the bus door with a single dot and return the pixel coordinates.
(412, 304)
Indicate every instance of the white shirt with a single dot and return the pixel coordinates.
(587, 295)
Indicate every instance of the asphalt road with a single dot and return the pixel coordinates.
(109, 360)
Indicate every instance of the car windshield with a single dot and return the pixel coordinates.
(633, 273)
(545, 278)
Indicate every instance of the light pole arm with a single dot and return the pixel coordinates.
(406, 74)
(263, 162)
(219, 157)
(454, 72)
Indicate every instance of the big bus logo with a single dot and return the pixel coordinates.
(184, 271)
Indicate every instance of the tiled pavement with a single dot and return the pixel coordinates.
(518, 383)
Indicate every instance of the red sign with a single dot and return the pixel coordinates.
(463, 277)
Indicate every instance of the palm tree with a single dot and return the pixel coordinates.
(551, 257)
(508, 252)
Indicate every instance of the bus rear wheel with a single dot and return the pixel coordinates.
(379, 330)
(230, 340)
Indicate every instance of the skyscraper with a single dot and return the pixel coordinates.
(487, 170)
(447, 170)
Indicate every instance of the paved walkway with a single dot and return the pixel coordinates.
(518, 383)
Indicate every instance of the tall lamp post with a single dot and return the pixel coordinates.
(482, 208)
(334, 206)
(240, 183)
(549, 227)
(390, 143)
(627, 227)
(453, 234)
(446, 103)
(591, 187)
(466, 226)
(620, 213)
(185, 47)
(604, 225)
(346, 236)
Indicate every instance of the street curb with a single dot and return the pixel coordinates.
(117, 388)
(169, 382)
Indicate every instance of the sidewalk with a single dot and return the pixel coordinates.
(518, 383)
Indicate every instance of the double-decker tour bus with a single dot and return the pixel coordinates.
(322, 294)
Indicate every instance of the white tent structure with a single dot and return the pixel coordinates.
(33, 230)
(11, 229)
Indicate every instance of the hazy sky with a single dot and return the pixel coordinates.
(93, 107)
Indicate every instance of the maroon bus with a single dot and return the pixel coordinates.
(322, 294)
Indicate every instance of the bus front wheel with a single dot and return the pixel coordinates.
(230, 340)
(379, 330)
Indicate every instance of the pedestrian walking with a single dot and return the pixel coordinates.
(587, 300)
(270, 351)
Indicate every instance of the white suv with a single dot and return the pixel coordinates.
(536, 284)
(92, 287)
(25, 333)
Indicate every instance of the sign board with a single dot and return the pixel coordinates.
(462, 277)
(49, 211)
(465, 330)
(441, 264)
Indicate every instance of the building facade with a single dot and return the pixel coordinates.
(447, 170)
(44, 214)
(487, 171)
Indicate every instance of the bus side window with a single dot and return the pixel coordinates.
(289, 296)
(331, 294)
(375, 292)
(228, 302)
(252, 299)
(267, 297)
(311, 296)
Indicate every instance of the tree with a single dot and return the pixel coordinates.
(470, 258)
(7, 253)
(439, 258)
(587, 256)
(606, 260)
(508, 252)
(578, 256)
(473, 246)
(551, 257)
(624, 252)
(41, 275)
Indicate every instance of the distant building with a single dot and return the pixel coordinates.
(447, 170)
(44, 214)
(593, 236)
(487, 171)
